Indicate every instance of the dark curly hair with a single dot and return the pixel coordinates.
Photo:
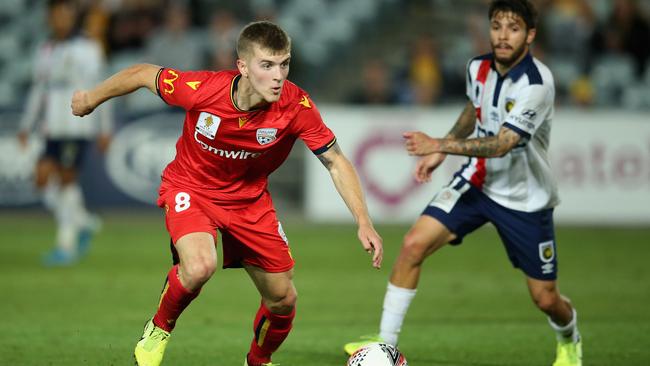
(522, 8)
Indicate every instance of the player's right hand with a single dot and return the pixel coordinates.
(372, 243)
(81, 104)
(426, 165)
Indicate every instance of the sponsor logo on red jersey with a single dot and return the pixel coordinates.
(229, 154)
(193, 84)
(169, 81)
(305, 102)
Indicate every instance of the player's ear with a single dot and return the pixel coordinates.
(242, 67)
(530, 37)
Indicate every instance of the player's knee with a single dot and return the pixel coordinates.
(45, 169)
(68, 176)
(546, 300)
(41, 178)
(414, 249)
(199, 272)
(283, 304)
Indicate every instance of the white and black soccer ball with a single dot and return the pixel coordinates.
(377, 354)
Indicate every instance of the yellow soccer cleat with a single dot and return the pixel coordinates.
(150, 349)
(569, 354)
(352, 347)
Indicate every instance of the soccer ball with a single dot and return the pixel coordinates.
(377, 354)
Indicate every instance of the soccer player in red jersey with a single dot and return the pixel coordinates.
(239, 127)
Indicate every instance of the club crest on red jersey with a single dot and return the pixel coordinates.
(266, 135)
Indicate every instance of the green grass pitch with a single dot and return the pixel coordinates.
(472, 307)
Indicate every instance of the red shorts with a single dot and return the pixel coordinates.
(251, 235)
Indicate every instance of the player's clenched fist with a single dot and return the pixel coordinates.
(81, 104)
(418, 143)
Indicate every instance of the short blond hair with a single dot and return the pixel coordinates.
(265, 34)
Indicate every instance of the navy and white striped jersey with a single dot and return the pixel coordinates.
(60, 68)
(521, 100)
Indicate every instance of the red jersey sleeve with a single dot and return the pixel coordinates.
(311, 129)
(182, 88)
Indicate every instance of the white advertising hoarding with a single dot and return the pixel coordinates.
(601, 161)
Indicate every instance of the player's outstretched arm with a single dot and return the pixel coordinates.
(463, 127)
(124, 82)
(347, 183)
(418, 143)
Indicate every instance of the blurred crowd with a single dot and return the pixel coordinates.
(598, 50)
(181, 34)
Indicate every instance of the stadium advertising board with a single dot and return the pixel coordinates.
(601, 160)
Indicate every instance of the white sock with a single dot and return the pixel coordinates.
(396, 304)
(68, 218)
(81, 215)
(569, 332)
(51, 194)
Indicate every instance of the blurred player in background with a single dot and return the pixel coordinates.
(67, 61)
(504, 130)
(240, 125)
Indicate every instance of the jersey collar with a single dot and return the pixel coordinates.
(233, 100)
(516, 72)
(520, 69)
(233, 87)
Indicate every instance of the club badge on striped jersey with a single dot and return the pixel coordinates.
(266, 135)
(207, 125)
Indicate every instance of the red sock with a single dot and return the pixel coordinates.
(173, 300)
(270, 331)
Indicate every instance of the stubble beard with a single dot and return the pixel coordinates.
(509, 61)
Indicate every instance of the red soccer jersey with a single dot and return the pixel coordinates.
(226, 153)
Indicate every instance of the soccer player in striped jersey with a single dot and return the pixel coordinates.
(240, 125)
(66, 61)
(504, 131)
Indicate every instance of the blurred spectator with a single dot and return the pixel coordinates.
(476, 22)
(566, 28)
(174, 45)
(264, 10)
(473, 41)
(66, 62)
(376, 86)
(96, 23)
(424, 74)
(130, 25)
(626, 31)
(222, 39)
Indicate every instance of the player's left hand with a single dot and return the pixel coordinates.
(419, 143)
(372, 243)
